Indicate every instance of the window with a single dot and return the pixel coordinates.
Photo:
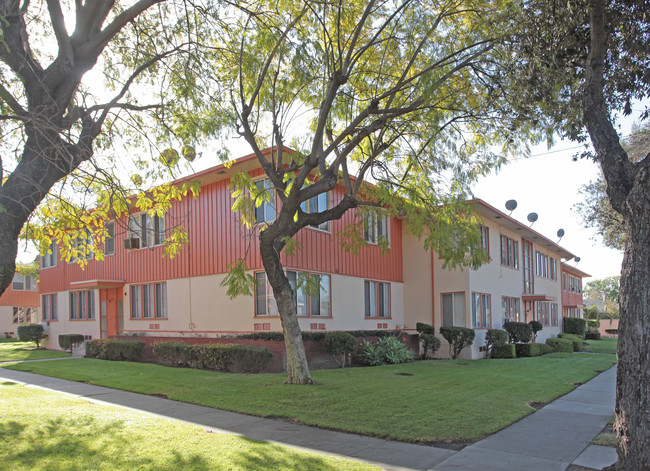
(82, 305)
(376, 227)
(563, 281)
(509, 252)
(149, 301)
(24, 315)
(23, 283)
(149, 229)
(527, 258)
(265, 212)
(317, 304)
(376, 299)
(553, 269)
(49, 259)
(481, 311)
(554, 316)
(542, 312)
(575, 284)
(82, 247)
(453, 309)
(109, 240)
(317, 204)
(485, 238)
(511, 309)
(541, 265)
(49, 307)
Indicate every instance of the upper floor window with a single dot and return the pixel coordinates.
(575, 284)
(23, 283)
(509, 252)
(552, 271)
(485, 238)
(377, 299)
(376, 227)
(49, 259)
(541, 265)
(317, 204)
(265, 203)
(25, 315)
(481, 310)
(109, 240)
(149, 229)
(49, 307)
(82, 247)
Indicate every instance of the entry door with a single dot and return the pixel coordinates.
(110, 301)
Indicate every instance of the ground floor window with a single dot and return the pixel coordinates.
(546, 312)
(312, 294)
(149, 301)
(376, 299)
(453, 309)
(511, 308)
(82, 305)
(49, 307)
(25, 315)
(481, 310)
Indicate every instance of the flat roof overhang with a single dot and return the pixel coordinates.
(538, 297)
(97, 284)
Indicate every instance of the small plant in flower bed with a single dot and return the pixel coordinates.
(388, 350)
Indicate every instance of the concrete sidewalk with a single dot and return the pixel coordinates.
(550, 439)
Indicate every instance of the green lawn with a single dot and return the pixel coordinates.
(15, 350)
(41, 430)
(424, 401)
(604, 345)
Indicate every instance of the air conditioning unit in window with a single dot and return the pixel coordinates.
(131, 243)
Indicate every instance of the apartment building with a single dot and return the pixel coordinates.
(19, 304)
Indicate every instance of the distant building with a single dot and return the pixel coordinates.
(19, 304)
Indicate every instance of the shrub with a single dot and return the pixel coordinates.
(532, 349)
(560, 345)
(536, 326)
(458, 338)
(593, 324)
(612, 331)
(31, 333)
(214, 356)
(504, 351)
(385, 351)
(94, 348)
(70, 341)
(340, 344)
(519, 332)
(423, 328)
(576, 339)
(592, 335)
(430, 344)
(495, 338)
(574, 325)
(115, 350)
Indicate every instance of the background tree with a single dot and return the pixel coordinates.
(400, 94)
(607, 291)
(596, 211)
(52, 123)
(577, 64)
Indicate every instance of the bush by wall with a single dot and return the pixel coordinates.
(423, 328)
(560, 345)
(576, 339)
(495, 338)
(115, 350)
(388, 350)
(507, 350)
(612, 331)
(574, 325)
(70, 341)
(214, 356)
(341, 344)
(31, 333)
(532, 349)
(592, 335)
(536, 326)
(458, 338)
(519, 332)
(430, 345)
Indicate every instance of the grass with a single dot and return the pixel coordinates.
(607, 437)
(604, 345)
(42, 430)
(424, 401)
(15, 350)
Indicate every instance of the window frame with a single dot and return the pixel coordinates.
(154, 310)
(511, 305)
(265, 206)
(485, 238)
(50, 258)
(454, 295)
(143, 232)
(324, 297)
(27, 282)
(306, 207)
(109, 236)
(49, 307)
(372, 221)
(381, 290)
(509, 252)
(485, 315)
(82, 305)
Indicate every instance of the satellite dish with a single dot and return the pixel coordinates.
(560, 233)
(532, 217)
(577, 259)
(511, 205)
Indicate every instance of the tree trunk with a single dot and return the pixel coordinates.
(297, 366)
(633, 375)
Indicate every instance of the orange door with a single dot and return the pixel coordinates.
(111, 312)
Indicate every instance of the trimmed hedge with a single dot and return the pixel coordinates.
(70, 341)
(495, 338)
(340, 344)
(423, 328)
(507, 350)
(574, 325)
(115, 350)
(458, 338)
(214, 356)
(592, 335)
(31, 333)
(612, 331)
(560, 345)
(576, 339)
(532, 349)
(519, 332)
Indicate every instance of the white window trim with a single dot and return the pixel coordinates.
(142, 229)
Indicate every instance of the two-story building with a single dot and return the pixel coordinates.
(19, 304)
(137, 291)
